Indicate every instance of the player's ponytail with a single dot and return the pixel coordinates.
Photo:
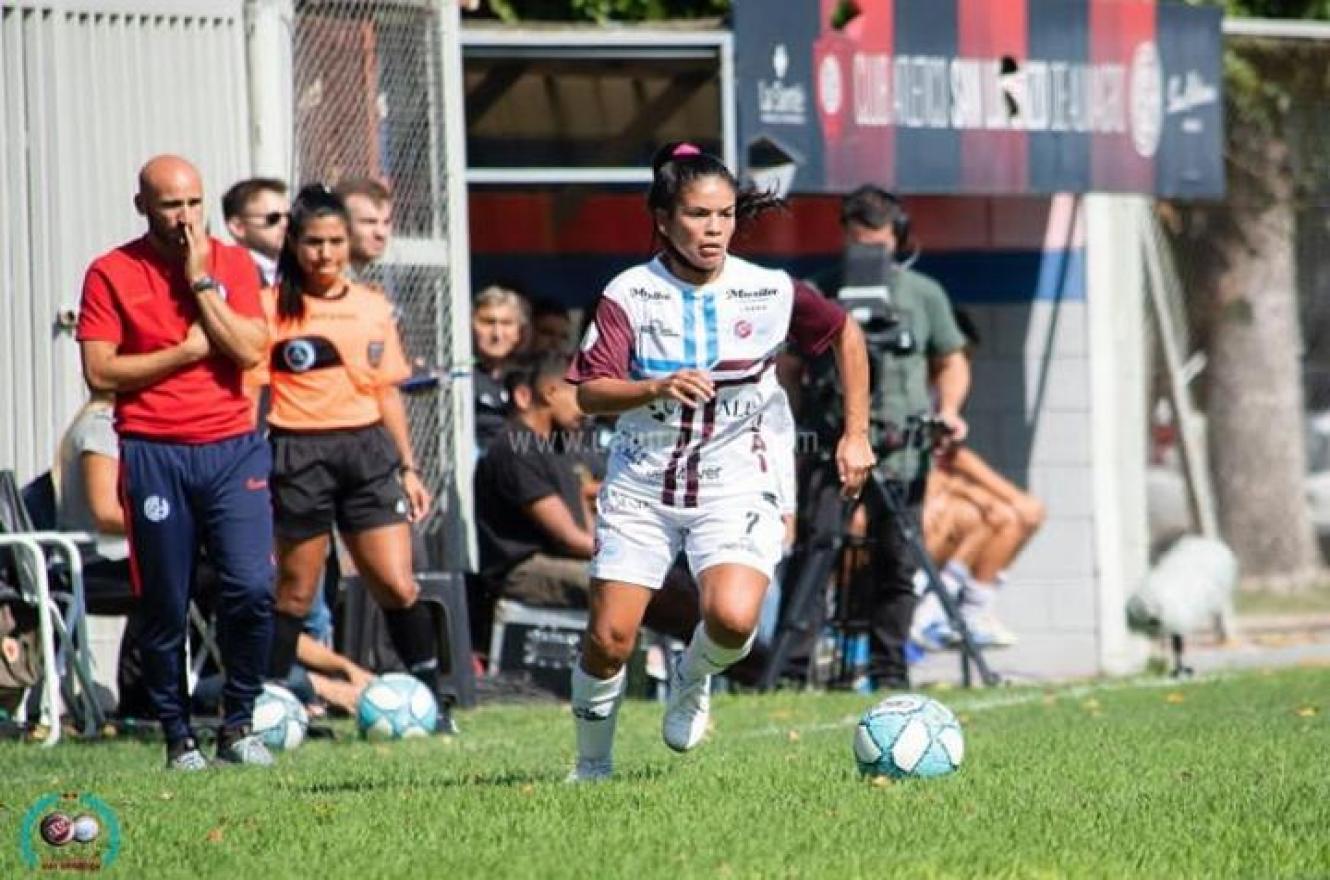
(311, 203)
(676, 165)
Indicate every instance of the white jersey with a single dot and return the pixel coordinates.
(650, 324)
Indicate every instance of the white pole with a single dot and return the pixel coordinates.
(269, 34)
(461, 535)
(1115, 305)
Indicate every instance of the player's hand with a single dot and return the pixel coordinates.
(197, 250)
(417, 495)
(196, 343)
(854, 460)
(689, 387)
(957, 430)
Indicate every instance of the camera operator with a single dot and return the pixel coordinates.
(913, 340)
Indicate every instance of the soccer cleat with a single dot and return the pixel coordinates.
(591, 771)
(686, 711)
(185, 756)
(241, 747)
(445, 725)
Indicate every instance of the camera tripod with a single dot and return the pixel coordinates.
(824, 552)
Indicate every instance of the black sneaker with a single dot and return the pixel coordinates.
(240, 746)
(184, 755)
(445, 725)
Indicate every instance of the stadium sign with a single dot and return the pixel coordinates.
(982, 96)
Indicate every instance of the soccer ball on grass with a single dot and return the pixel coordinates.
(908, 735)
(396, 706)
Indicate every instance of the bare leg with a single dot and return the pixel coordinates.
(616, 611)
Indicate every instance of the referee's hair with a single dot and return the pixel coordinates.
(312, 202)
(533, 369)
(238, 197)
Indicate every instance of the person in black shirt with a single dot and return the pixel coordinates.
(534, 524)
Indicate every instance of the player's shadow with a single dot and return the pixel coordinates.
(501, 779)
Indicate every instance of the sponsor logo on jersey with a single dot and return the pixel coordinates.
(743, 329)
(657, 328)
(648, 294)
(755, 293)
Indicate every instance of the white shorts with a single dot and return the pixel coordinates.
(638, 539)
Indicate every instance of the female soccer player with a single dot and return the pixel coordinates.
(341, 450)
(681, 349)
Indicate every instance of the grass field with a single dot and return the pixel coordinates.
(1223, 777)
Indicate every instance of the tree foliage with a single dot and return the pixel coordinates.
(603, 11)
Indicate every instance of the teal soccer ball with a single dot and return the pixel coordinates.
(279, 718)
(908, 735)
(396, 706)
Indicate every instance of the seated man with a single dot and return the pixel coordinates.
(533, 521)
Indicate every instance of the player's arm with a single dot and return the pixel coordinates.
(609, 396)
(556, 520)
(854, 452)
(105, 369)
(241, 338)
(393, 413)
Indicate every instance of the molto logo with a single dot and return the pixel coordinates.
(778, 102)
(69, 832)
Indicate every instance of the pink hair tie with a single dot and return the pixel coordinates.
(685, 150)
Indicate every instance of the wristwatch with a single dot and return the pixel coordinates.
(207, 282)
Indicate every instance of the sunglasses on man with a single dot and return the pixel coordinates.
(272, 218)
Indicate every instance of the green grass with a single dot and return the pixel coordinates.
(1217, 778)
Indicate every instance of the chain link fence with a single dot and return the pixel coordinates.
(367, 104)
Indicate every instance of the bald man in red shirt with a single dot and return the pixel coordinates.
(169, 322)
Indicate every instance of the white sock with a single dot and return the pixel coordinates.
(958, 570)
(979, 595)
(705, 657)
(595, 713)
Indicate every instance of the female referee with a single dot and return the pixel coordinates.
(681, 349)
(341, 449)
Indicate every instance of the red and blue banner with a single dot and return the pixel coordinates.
(982, 96)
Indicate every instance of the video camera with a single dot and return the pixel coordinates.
(865, 294)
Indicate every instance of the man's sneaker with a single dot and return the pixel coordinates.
(242, 747)
(591, 771)
(686, 711)
(184, 755)
(445, 725)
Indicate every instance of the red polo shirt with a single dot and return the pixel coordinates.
(136, 298)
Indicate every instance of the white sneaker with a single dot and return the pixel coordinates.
(686, 712)
(591, 771)
(987, 631)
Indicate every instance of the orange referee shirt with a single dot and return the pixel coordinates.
(328, 368)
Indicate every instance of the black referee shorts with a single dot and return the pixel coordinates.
(347, 476)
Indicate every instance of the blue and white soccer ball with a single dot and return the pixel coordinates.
(908, 735)
(396, 706)
(279, 718)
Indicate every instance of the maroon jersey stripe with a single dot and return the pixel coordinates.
(670, 485)
(695, 459)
